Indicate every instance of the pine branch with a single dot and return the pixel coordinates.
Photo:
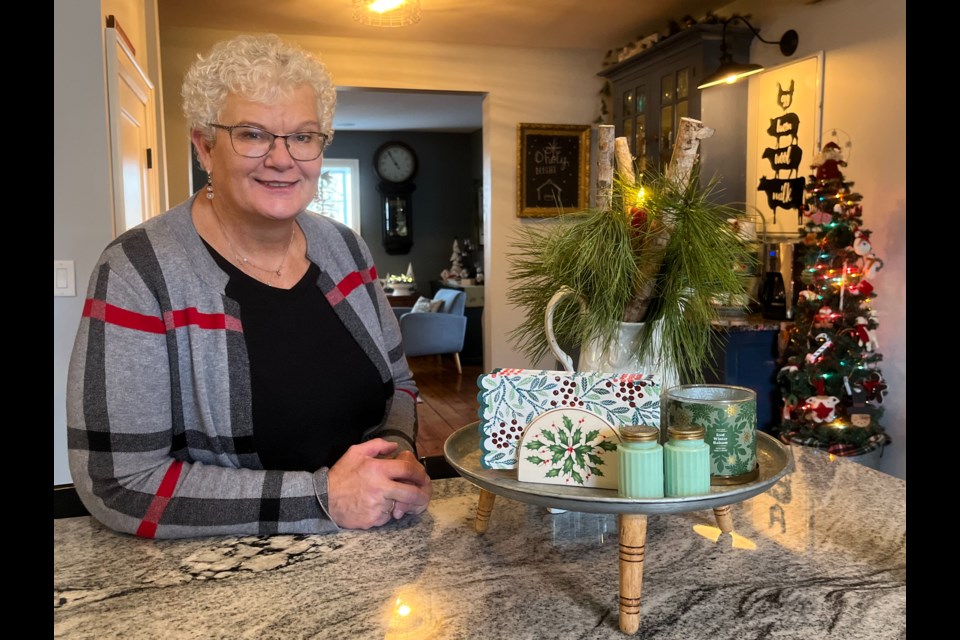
(674, 265)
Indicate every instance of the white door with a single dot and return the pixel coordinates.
(132, 137)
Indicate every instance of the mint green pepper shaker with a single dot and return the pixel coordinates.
(686, 462)
(641, 462)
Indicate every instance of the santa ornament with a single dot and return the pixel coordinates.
(861, 243)
(823, 318)
(827, 164)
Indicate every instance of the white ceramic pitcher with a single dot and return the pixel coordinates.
(620, 357)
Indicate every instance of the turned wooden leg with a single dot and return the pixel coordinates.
(633, 540)
(456, 359)
(484, 508)
(724, 519)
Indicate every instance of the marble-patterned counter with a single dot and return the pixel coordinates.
(821, 555)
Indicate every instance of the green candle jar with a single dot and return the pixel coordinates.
(641, 462)
(686, 462)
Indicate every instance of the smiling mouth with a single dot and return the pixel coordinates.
(276, 184)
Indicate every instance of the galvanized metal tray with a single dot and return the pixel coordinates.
(462, 451)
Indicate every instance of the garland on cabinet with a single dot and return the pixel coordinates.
(642, 43)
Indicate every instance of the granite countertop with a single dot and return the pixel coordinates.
(820, 555)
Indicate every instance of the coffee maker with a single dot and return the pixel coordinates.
(777, 287)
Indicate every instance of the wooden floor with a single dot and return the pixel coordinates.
(449, 400)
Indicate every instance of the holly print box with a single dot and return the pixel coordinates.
(511, 399)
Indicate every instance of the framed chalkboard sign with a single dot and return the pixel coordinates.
(553, 175)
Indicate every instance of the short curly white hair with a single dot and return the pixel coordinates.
(260, 68)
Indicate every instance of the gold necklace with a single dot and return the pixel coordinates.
(245, 262)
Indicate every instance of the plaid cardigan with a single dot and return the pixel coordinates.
(159, 420)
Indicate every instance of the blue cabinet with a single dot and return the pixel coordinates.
(748, 358)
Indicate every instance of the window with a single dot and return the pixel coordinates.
(338, 192)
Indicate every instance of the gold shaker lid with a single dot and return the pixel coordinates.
(639, 433)
(686, 432)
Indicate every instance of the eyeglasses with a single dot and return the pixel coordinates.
(254, 142)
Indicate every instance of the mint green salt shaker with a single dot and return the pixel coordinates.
(686, 462)
(641, 462)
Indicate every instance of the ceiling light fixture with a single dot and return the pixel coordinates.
(729, 71)
(386, 13)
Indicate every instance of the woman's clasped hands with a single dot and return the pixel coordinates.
(368, 486)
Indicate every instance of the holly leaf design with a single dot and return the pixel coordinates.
(535, 460)
(549, 436)
(553, 473)
(576, 477)
(558, 453)
(595, 471)
(606, 445)
(592, 435)
(568, 466)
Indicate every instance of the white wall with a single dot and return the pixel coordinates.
(82, 208)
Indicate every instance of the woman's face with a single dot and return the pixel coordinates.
(276, 186)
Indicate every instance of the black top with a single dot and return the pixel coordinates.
(314, 390)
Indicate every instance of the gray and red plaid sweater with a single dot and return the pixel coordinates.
(159, 428)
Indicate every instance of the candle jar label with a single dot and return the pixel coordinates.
(728, 414)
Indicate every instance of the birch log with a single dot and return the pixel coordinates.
(605, 135)
(624, 160)
(690, 133)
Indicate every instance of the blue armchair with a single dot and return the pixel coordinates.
(427, 334)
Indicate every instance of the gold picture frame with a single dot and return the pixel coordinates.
(553, 169)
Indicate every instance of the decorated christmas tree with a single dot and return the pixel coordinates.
(830, 381)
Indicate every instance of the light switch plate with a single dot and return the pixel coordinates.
(64, 278)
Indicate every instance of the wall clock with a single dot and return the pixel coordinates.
(395, 162)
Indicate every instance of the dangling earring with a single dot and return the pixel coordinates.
(210, 186)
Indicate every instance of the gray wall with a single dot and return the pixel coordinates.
(444, 205)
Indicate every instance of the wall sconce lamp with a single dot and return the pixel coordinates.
(386, 13)
(729, 71)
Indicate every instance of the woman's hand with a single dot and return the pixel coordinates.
(366, 490)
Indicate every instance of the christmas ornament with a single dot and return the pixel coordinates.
(875, 386)
(861, 288)
(871, 265)
(827, 164)
(822, 408)
(859, 414)
(820, 217)
(807, 296)
(866, 337)
(861, 243)
(812, 357)
(823, 318)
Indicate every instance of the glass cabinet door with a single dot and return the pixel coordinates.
(674, 104)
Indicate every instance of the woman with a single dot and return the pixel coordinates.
(238, 369)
